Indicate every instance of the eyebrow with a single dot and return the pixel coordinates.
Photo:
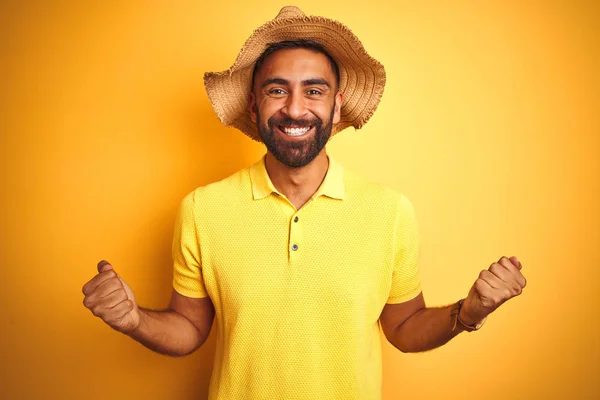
(308, 82)
(276, 81)
(316, 81)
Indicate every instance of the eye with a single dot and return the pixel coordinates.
(314, 92)
(276, 92)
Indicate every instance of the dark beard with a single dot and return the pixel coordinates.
(295, 154)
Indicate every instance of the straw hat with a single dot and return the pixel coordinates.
(362, 78)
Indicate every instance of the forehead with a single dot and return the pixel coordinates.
(295, 64)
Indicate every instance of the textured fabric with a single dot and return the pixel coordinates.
(297, 293)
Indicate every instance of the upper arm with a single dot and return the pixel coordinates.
(189, 297)
(186, 251)
(393, 315)
(405, 298)
(406, 282)
(200, 312)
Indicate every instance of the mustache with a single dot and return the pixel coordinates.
(287, 122)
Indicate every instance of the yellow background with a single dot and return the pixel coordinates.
(489, 124)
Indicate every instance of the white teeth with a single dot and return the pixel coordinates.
(296, 131)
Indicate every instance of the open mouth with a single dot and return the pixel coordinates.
(294, 131)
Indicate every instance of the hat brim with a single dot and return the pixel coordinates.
(362, 78)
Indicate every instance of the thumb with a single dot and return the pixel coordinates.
(104, 266)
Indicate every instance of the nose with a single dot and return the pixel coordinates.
(295, 106)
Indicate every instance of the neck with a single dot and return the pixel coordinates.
(297, 184)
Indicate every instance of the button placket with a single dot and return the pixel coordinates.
(295, 243)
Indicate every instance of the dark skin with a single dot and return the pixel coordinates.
(297, 84)
(177, 331)
(412, 327)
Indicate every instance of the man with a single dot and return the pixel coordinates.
(300, 261)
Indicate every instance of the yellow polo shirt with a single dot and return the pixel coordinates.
(297, 293)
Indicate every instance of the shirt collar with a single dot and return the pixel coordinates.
(332, 186)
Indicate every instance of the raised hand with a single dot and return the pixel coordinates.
(111, 299)
(502, 281)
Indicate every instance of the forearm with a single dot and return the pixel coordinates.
(167, 332)
(411, 327)
(426, 329)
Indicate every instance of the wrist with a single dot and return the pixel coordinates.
(463, 320)
(137, 330)
(466, 318)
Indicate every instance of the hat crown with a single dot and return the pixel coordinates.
(288, 12)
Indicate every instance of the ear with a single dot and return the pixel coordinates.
(337, 110)
(252, 106)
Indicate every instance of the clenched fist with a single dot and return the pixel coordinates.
(109, 298)
(502, 281)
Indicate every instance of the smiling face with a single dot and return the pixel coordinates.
(295, 102)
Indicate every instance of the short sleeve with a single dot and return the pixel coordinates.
(406, 283)
(187, 264)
